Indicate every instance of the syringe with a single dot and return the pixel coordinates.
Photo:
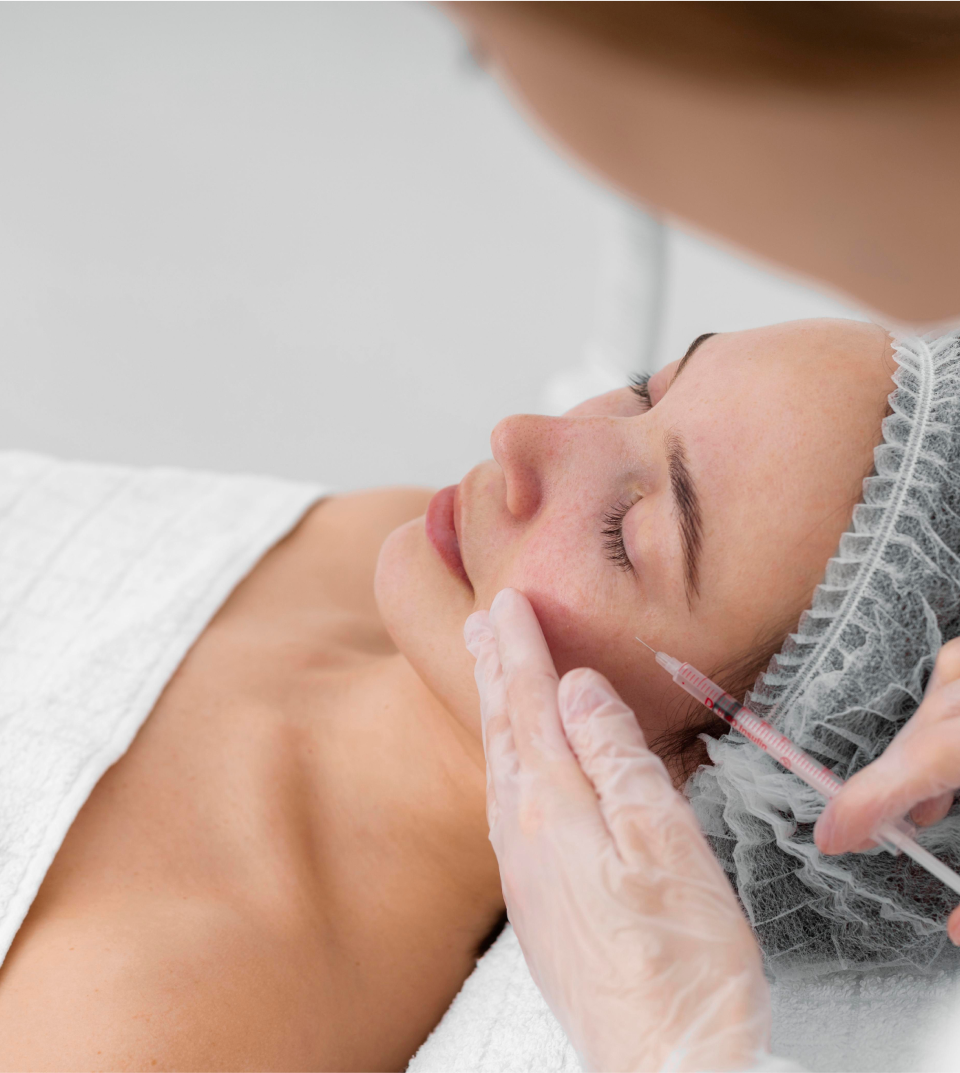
(894, 836)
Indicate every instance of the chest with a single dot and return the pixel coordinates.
(249, 870)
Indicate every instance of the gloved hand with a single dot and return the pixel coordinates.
(627, 922)
(917, 773)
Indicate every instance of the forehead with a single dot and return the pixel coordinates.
(780, 426)
(771, 404)
(827, 354)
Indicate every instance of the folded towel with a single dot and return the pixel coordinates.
(499, 1023)
(107, 577)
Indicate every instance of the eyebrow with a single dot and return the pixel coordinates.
(691, 350)
(688, 510)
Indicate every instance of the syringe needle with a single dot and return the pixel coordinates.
(645, 645)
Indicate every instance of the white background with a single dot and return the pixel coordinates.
(303, 239)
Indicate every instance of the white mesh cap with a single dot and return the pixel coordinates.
(841, 687)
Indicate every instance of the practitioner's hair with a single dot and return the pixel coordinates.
(821, 43)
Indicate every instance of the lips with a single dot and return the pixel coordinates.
(442, 531)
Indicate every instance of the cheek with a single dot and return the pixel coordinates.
(583, 604)
(590, 613)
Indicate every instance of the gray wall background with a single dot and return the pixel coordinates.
(304, 239)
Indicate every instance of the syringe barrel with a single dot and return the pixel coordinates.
(895, 835)
(708, 693)
(699, 685)
(758, 731)
(791, 756)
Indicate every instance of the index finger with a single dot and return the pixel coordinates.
(921, 766)
(530, 679)
(522, 644)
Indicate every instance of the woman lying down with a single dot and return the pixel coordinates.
(241, 774)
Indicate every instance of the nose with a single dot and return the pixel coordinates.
(528, 448)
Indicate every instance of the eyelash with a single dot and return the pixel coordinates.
(640, 386)
(612, 531)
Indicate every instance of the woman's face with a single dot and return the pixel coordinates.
(699, 519)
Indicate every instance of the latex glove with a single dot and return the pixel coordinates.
(627, 922)
(917, 773)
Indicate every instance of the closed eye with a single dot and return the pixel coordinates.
(612, 532)
(640, 386)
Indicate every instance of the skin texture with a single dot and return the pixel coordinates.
(854, 188)
(297, 835)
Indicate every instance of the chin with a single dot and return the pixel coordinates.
(424, 608)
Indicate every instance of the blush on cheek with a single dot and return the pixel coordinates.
(574, 591)
(579, 641)
(595, 627)
(578, 635)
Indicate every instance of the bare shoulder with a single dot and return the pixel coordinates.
(381, 510)
(330, 558)
(98, 991)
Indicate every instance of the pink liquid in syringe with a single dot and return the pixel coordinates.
(895, 836)
(750, 726)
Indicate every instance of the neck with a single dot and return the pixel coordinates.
(411, 787)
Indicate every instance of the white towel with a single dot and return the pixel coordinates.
(107, 577)
(499, 1023)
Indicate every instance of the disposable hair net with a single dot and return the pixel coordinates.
(841, 687)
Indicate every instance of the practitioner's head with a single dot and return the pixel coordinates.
(730, 487)
(794, 130)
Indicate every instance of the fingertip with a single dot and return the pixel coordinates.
(477, 632)
(849, 822)
(947, 666)
(932, 811)
(823, 832)
(953, 927)
(833, 836)
(523, 649)
(578, 678)
(503, 603)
